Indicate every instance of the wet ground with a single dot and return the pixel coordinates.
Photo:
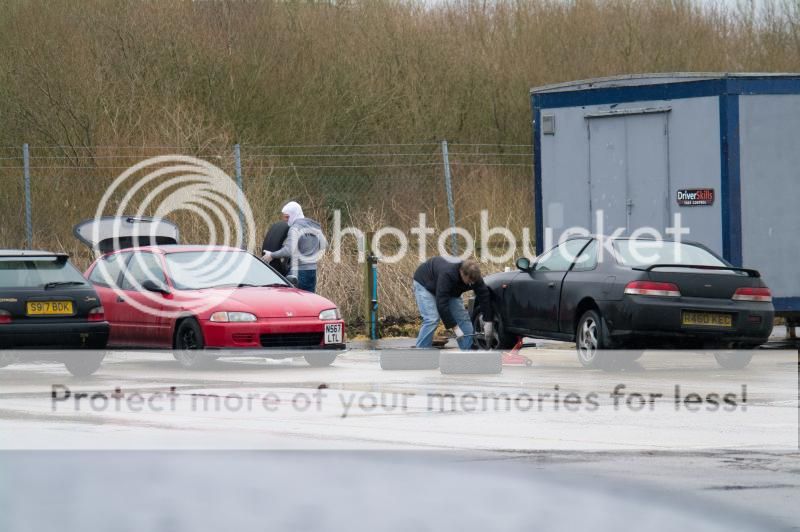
(739, 455)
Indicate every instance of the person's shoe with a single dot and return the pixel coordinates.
(440, 341)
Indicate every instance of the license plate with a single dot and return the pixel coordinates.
(707, 319)
(50, 308)
(333, 333)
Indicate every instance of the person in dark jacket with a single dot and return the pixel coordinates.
(273, 241)
(438, 285)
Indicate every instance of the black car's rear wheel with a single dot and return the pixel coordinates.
(733, 359)
(590, 340)
(189, 345)
(83, 365)
(501, 339)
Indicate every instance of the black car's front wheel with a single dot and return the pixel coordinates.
(590, 339)
(500, 339)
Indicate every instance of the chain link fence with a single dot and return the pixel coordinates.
(366, 186)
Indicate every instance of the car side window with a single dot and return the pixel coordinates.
(142, 267)
(561, 257)
(587, 260)
(106, 271)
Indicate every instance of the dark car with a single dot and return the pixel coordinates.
(48, 311)
(624, 293)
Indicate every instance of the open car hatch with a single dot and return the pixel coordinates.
(109, 233)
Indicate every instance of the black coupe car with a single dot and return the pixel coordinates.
(48, 311)
(624, 293)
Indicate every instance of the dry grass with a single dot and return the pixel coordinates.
(205, 75)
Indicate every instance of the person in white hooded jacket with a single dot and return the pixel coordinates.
(304, 245)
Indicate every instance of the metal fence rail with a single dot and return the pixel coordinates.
(46, 190)
(47, 187)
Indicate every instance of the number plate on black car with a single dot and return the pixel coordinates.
(333, 333)
(707, 319)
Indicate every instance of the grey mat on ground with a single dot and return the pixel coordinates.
(398, 359)
(474, 362)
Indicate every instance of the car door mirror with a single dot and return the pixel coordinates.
(293, 280)
(153, 286)
(524, 264)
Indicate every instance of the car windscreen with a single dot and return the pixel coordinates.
(195, 270)
(18, 272)
(644, 253)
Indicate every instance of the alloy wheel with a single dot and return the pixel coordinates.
(187, 348)
(587, 339)
(188, 339)
(483, 343)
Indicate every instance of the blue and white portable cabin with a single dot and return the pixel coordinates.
(723, 150)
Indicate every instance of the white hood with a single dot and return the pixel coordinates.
(294, 210)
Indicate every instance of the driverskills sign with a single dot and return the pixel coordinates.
(694, 197)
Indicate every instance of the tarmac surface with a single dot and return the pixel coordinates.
(736, 458)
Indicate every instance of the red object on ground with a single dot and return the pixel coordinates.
(513, 358)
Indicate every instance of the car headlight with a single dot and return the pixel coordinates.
(226, 317)
(330, 314)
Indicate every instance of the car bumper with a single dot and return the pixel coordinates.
(661, 319)
(270, 335)
(263, 352)
(88, 335)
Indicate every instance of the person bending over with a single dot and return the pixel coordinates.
(438, 285)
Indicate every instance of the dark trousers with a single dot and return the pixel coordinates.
(307, 280)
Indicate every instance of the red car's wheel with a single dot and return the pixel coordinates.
(320, 360)
(189, 344)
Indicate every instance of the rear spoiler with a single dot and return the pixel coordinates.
(748, 271)
(60, 257)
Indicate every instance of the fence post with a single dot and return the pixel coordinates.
(371, 289)
(26, 165)
(237, 156)
(450, 207)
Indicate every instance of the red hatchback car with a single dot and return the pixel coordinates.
(203, 301)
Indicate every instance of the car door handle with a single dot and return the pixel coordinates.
(551, 285)
(120, 299)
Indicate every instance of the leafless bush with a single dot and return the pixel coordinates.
(88, 78)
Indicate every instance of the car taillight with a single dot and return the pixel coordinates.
(5, 316)
(97, 314)
(652, 288)
(753, 294)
